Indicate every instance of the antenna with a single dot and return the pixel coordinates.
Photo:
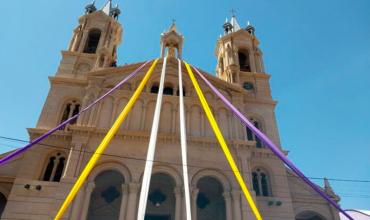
(233, 12)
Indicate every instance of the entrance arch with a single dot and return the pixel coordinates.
(3, 201)
(210, 200)
(105, 201)
(309, 215)
(161, 204)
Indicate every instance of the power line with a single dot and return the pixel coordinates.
(274, 196)
(178, 164)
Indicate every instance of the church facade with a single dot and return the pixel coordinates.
(34, 185)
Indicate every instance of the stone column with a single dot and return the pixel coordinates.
(72, 42)
(176, 121)
(143, 117)
(252, 60)
(83, 41)
(87, 100)
(202, 124)
(173, 118)
(124, 201)
(132, 201)
(236, 129)
(235, 195)
(258, 63)
(94, 112)
(247, 175)
(127, 122)
(188, 122)
(80, 162)
(247, 169)
(194, 195)
(107, 61)
(102, 40)
(227, 205)
(73, 106)
(76, 41)
(229, 125)
(238, 76)
(85, 207)
(71, 166)
(232, 128)
(76, 208)
(178, 206)
(262, 64)
(115, 109)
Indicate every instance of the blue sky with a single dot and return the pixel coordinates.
(318, 53)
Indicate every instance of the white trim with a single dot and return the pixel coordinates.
(151, 148)
(183, 146)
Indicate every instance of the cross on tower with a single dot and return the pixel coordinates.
(233, 12)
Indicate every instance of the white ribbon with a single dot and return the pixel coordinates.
(151, 148)
(183, 146)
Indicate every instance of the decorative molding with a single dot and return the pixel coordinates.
(69, 81)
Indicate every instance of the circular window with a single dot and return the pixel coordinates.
(248, 86)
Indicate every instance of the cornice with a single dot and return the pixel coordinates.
(58, 135)
(144, 136)
(264, 153)
(256, 74)
(78, 54)
(116, 70)
(69, 81)
(252, 100)
(7, 179)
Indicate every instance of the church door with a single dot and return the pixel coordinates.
(157, 217)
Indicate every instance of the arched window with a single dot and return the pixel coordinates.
(3, 201)
(105, 200)
(92, 41)
(54, 168)
(244, 61)
(251, 136)
(261, 183)
(221, 64)
(161, 202)
(154, 88)
(309, 215)
(183, 92)
(210, 200)
(70, 109)
(168, 90)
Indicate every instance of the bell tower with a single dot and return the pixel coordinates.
(237, 52)
(94, 42)
(172, 42)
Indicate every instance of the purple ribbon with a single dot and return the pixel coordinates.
(42, 137)
(271, 145)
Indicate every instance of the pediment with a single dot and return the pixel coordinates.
(111, 76)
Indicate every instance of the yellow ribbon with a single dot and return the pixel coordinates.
(103, 145)
(223, 144)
